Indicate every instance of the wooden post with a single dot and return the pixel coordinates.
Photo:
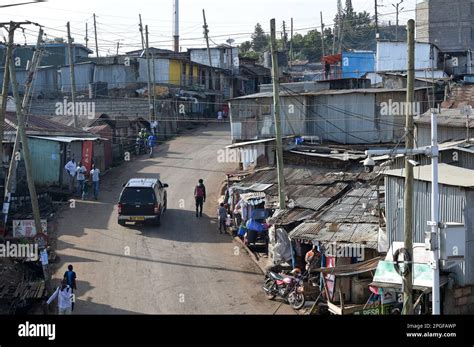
(276, 110)
(140, 26)
(322, 34)
(147, 52)
(72, 74)
(206, 35)
(95, 35)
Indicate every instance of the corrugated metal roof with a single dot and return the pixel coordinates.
(326, 92)
(447, 117)
(363, 233)
(66, 139)
(352, 269)
(286, 217)
(448, 175)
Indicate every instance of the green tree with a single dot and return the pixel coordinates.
(260, 40)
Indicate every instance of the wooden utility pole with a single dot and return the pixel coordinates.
(95, 36)
(140, 27)
(72, 74)
(118, 47)
(6, 84)
(21, 132)
(276, 110)
(147, 53)
(376, 19)
(322, 34)
(408, 198)
(206, 35)
(291, 44)
(398, 10)
(87, 36)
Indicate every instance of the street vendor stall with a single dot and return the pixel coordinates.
(336, 296)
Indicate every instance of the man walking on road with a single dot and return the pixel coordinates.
(200, 197)
(222, 214)
(71, 173)
(81, 178)
(70, 277)
(95, 174)
(65, 298)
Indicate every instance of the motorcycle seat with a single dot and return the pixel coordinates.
(275, 276)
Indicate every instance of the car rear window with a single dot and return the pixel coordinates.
(134, 195)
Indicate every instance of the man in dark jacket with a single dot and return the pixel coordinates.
(200, 197)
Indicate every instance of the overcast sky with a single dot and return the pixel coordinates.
(118, 19)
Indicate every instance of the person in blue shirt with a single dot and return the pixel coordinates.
(151, 143)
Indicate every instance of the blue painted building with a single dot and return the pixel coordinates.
(357, 63)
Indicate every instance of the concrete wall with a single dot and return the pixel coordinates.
(459, 300)
(448, 24)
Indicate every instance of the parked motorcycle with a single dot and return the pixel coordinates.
(288, 288)
(291, 288)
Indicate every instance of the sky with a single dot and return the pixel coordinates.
(117, 20)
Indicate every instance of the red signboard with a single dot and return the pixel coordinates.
(87, 154)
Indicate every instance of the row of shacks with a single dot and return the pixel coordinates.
(356, 220)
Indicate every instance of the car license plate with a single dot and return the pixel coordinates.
(138, 219)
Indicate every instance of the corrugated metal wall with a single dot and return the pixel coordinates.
(84, 74)
(423, 134)
(357, 64)
(116, 76)
(452, 207)
(46, 161)
(392, 56)
(162, 71)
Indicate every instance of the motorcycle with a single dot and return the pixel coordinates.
(288, 288)
(291, 288)
(139, 146)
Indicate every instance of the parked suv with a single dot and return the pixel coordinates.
(142, 201)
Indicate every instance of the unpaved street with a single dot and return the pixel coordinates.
(182, 267)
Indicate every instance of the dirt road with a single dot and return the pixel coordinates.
(183, 267)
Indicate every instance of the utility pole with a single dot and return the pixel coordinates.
(176, 25)
(322, 34)
(95, 35)
(87, 36)
(28, 89)
(118, 47)
(291, 44)
(140, 26)
(206, 35)
(72, 73)
(147, 53)
(376, 19)
(408, 198)
(276, 110)
(6, 84)
(341, 27)
(398, 10)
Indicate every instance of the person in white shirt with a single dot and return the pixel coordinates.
(70, 168)
(95, 173)
(81, 178)
(220, 115)
(65, 298)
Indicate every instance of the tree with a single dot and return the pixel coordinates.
(260, 40)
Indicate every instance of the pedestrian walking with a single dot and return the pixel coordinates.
(222, 216)
(70, 277)
(151, 143)
(65, 298)
(70, 168)
(95, 174)
(200, 197)
(220, 115)
(80, 177)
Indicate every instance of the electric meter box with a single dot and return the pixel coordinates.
(453, 241)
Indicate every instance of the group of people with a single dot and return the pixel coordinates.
(78, 174)
(65, 292)
(147, 139)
